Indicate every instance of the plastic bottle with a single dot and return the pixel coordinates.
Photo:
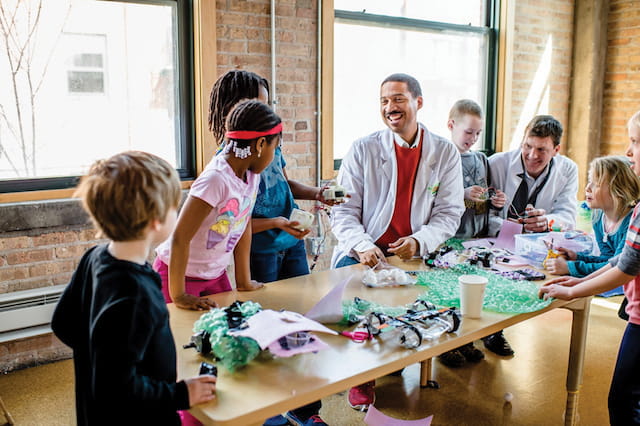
(583, 222)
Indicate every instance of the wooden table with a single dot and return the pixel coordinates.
(267, 387)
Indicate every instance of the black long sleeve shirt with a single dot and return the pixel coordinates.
(113, 315)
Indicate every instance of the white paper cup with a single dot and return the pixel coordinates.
(472, 295)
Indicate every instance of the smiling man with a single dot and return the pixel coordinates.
(540, 185)
(406, 192)
(405, 185)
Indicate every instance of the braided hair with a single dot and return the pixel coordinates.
(231, 88)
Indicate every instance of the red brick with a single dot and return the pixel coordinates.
(15, 243)
(61, 278)
(14, 273)
(75, 251)
(29, 256)
(55, 238)
(28, 284)
(232, 46)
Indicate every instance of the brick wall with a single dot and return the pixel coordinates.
(543, 32)
(622, 76)
(34, 258)
(41, 260)
(244, 41)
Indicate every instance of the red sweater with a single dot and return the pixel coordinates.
(407, 160)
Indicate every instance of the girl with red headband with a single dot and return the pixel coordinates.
(215, 221)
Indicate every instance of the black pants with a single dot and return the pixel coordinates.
(624, 395)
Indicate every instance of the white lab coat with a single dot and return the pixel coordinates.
(369, 174)
(557, 197)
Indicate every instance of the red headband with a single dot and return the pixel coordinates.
(250, 134)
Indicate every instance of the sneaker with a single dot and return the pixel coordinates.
(315, 421)
(471, 353)
(453, 359)
(497, 344)
(360, 397)
(278, 420)
(297, 421)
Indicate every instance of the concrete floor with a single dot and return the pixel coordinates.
(471, 395)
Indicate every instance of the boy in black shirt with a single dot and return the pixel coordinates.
(112, 313)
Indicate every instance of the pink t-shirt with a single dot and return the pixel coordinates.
(232, 200)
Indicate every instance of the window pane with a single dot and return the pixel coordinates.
(463, 12)
(448, 65)
(96, 78)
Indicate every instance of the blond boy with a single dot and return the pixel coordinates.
(112, 313)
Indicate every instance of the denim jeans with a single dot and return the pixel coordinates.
(346, 261)
(289, 263)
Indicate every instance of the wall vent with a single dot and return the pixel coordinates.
(29, 308)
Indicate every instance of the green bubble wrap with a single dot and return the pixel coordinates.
(502, 294)
(233, 352)
(355, 310)
(455, 243)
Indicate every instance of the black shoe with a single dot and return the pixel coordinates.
(471, 353)
(453, 359)
(396, 373)
(497, 344)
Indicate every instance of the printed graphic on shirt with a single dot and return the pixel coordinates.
(434, 188)
(231, 218)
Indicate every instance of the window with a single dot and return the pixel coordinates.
(85, 80)
(450, 47)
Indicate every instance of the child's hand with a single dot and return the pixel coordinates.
(557, 266)
(499, 200)
(320, 197)
(201, 389)
(188, 301)
(290, 228)
(567, 254)
(556, 291)
(565, 281)
(250, 286)
(474, 193)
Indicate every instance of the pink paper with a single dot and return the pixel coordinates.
(267, 326)
(329, 308)
(506, 237)
(376, 418)
(315, 346)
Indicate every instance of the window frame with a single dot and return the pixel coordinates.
(329, 166)
(62, 186)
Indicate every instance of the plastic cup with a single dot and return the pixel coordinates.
(472, 295)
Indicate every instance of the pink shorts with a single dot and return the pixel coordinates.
(194, 286)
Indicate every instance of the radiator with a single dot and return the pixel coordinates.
(28, 309)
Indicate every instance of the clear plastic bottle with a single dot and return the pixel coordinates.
(439, 326)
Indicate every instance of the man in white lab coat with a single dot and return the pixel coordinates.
(406, 192)
(540, 185)
(405, 185)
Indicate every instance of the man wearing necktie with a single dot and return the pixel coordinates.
(540, 185)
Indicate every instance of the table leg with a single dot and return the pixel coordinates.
(576, 357)
(426, 375)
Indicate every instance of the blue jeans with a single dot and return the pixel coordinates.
(624, 394)
(280, 265)
(346, 261)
